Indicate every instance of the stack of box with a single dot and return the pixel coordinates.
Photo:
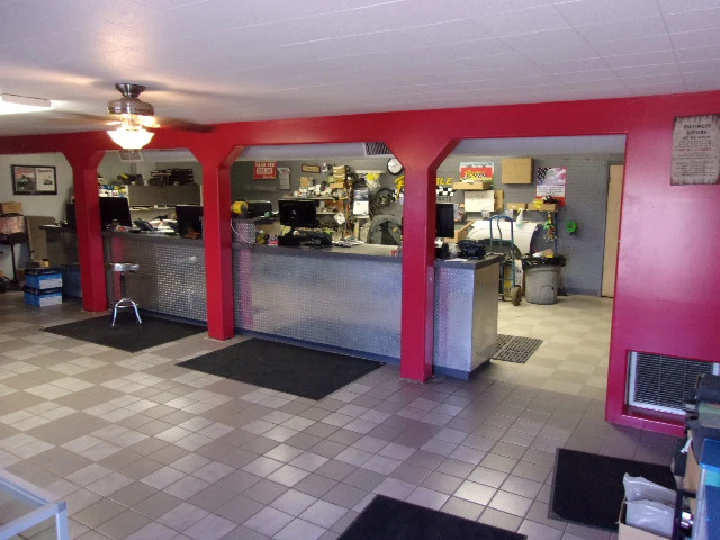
(43, 286)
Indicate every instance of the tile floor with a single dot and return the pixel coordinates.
(142, 449)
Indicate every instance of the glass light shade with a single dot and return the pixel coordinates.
(131, 139)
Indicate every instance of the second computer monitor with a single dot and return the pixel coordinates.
(444, 220)
(188, 219)
(298, 212)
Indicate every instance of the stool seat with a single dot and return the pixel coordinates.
(123, 266)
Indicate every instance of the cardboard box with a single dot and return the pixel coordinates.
(49, 281)
(517, 171)
(631, 533)
(516, 206)
(548, 208)
(499, 200)
(478, 185)
(460, 234)
(11, 207)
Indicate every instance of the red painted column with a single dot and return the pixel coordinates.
(90, 244)
(416, 354)
(217, 234)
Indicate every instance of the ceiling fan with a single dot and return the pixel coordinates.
(132, 115)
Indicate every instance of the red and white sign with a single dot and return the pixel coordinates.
(471, 171)
(265, 170)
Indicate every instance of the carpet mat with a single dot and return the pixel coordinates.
(127, 335)
(287, 368)
(588, 489)
(389, 519)
(516, 349)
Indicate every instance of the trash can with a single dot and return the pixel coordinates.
(542, 279)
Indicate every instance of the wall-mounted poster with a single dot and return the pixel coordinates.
(551, 182)
(696, 151)
(265, 170)
(470, 171)
(33, 180)
(283, 178)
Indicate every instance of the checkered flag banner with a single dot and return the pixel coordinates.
(542, 173)
(443, 191)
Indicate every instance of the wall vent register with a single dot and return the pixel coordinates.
(377, 149)
(660, 383)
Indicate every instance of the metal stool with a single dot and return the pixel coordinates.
(124, 302)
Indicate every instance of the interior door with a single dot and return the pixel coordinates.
(612, 230)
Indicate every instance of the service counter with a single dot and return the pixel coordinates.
(347, 299)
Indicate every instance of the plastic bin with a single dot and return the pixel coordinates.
(542, 279)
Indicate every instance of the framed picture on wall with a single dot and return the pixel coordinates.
(33, 180)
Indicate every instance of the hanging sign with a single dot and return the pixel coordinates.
(696, 151)
(306, 167)
(551, 182)
(471, 170)
(265, 170)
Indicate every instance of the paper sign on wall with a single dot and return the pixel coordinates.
(551, 182)
(480, 201)
(473, 170)
(283, 178)
(265, 170)
(696, 151)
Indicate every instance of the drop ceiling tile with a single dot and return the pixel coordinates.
(634, 82)
(580, 12)
(641, 59)
(602, 31)
(701, 86)
(474, 7)
(636, 45)
(521, 21)
(697, 54)
(586, 76)
(544, 39)
(562, 54)
(703, 65)
(701, 38)
(648, 69)
(680, 6)
(693, 20)
(712, 76)
(656, 89)
(586, 65)
(475, 48)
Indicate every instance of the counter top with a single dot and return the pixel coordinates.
(366, 251)
(155, 237)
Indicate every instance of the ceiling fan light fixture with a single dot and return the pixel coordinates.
(131, 138)
(11, 104)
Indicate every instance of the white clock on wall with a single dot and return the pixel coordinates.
(394, 166)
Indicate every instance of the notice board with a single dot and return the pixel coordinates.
(696, 151)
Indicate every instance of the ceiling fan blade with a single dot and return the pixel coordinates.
(184, 125)
(79, 119)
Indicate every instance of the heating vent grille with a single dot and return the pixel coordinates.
(377, 149)
(661, 383)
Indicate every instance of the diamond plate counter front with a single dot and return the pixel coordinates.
(171, 277)
(327, 298)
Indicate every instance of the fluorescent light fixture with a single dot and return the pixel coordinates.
(10, 104)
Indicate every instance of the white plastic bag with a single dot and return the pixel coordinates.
(651, 516)
(638, 488)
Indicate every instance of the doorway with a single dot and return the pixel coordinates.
(612, 230)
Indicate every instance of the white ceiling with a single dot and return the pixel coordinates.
(229, 60)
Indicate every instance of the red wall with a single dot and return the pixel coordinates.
(665, 299)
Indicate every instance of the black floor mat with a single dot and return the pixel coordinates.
(389, 519)
(127, 335)
(287, 368)
(588, 489)
(516, 349)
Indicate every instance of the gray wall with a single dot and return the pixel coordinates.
(587, 189)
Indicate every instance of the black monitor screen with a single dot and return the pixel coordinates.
(298, 212)
(114, 209)
(188, 219)
(444, 220)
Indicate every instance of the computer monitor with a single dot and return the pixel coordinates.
(444, 220)
(298, 213)
(259, 208)
(114, 209)
(188, 219)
